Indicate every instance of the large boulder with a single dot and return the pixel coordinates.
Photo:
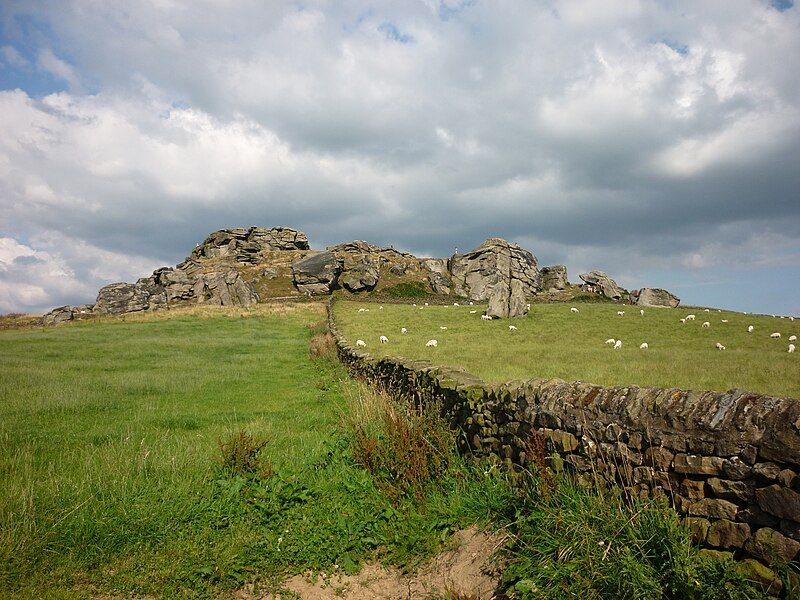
(600, 282)
(654, 297)
(316, 273)
(494, 263)
(248, 245)
(224, 288)
(360, 272)
(554, 278)
(176, 283)
(119, 298)
(57, 316)
(507, 300)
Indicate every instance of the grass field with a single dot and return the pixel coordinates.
(109, 465)
(554, 342)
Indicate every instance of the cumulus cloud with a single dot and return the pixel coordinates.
(637, 137)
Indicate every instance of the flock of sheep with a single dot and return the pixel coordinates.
(615, 343)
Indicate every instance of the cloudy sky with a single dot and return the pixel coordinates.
(658, 141)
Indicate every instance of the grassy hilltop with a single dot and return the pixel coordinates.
(554, 342)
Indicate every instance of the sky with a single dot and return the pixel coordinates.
(657, 141)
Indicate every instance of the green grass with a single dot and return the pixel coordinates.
(553, 342)
(111, 473)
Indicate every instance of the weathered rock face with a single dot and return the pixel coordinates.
(224, 288)
(554, 278)
(248, 245)
(507, 300)
(317, 273)
(495, 262)
(654, 297)
(119, 298)
(600, 282)
(360, 272)
(57, 316)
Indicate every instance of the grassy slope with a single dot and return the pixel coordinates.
(553, 342)
(108, 448)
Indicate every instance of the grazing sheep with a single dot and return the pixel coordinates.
(486, 318)
(749, 329)
(362, 310)
(455, 303)
(792, 338)
(384, 339)
(641, 311)
(421, 307)
(471, 303)
(791, 318)
(706, 325)
(611, 341)
(724, 320)
(706, 310)
(719, 346)
(403, 330)
(574, 310)
(443, 328)
(775, 335)
(690, 317)
(432, 344)
(426, 304)
(472, 312)
(361, 344)
(414, 304)
(617, 344)
(620, 313)
(791, 348)
(512, 328)
(643, 346)
(683, 321)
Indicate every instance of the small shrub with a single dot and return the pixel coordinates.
(240, 453)
(403, 447)
(413, 289)
(323, 346)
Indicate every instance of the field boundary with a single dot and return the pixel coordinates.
(729, 461)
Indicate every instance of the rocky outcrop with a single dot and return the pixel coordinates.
(360, 272)
(119, 298)
(507, 300)
(495, 263)
(57, 316)
(554, 278)
(317, 273)
(654, 297)
(248, 245)
(224, 288)
(599, 282)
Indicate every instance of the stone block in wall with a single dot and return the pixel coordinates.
(735, 468)
(658, 458)
(724, 488)
(578, 463)
(765, 578)
(766, 471)
(786, 477)
(791, 529)
(727, 534)
(698, 528)
(779, 501)
(772, 547)
(693, 489)
(643, 475)
(625, 456)
(755, 516)
(692, 464)
(715, 508)
(562, 442)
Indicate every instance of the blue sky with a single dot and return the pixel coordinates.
(657, 141)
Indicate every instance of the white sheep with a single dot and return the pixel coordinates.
(574, 310)
(512, 328)
(443, 328)
(706, 310)
(775, 335)
(384, 339)
(643, 346)
(706, 325)
(426, 304)
(791, 348)
(472, 312)
(380, 308)
(749, 329)
(724, 321)
(719, 346)
(791, 318)
(455, 303)
(486, 318)
(792, 338)
(690, 317)
(361, 344)
(617, 344)
(471, 303)
(403, 330)
(641, 311)
(362, 310)
(620, 313)
(611, 341)
(683, 321)
(413, 304)
(432, 344)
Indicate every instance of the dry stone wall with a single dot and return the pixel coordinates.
(728, 461)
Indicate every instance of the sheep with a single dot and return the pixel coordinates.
(724, 321)
(683, 321)
(361, 344)
(690, 317)
(620, 313)
(384, 339)
(486, 318)
(426, 304)
(471, 303)
(455, 303)
(472, 312)
(775, 335)
(443, 328)
(362, 310)
(706, 325)
(706, 310)
(641, 311)
(791, 318)
(643, 346)
(512, 328)
(432, 344)
(791, 348)
(421, 307)
(792, 338)
(617, 344)
(749, 329)
(719, 346)
(403, 331)
(611, 341)
(574, 310)
(414, 304)
(380, 308)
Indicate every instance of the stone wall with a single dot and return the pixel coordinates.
(729, 461)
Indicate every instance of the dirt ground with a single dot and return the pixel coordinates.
(468, 571)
